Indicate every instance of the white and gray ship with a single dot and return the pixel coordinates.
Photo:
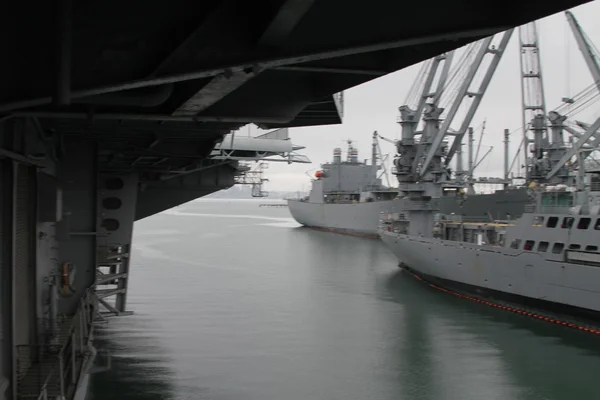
(547, 259)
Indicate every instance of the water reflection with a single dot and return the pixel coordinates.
(251, 309)
(139, 364)
(507, 356)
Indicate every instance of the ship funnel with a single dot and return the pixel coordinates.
(352, 153)
(354, 156)
(337, 155)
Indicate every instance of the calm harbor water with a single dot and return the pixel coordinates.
(233, 301)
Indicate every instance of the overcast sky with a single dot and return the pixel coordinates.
(374, 105)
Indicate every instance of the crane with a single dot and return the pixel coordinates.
(591, 59)
(589, 53)
(533, 102)
(486, 48)
(559, 155)
(407, 148)
(426, 82)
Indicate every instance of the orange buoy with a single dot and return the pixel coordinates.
(319, 174)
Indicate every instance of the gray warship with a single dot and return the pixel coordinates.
(348, 197)
(547, 259)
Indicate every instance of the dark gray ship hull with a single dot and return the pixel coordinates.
(362, 219)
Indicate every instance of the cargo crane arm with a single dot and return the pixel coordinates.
(588, 140)
(464, 92)
(386, 139)
(591, 131)
(591, 145)
(590, 56)
(533, 100)
(425, 82)
(591, 59)
(383, 158)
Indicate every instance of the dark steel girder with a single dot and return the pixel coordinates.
(287, 17)
(265, 63)
(144, 117)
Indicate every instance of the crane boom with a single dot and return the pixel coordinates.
(498, 52)
(437, 141)
(585, 48)
(590, 132)
(532, 88)
(463, 92)
(427, 93)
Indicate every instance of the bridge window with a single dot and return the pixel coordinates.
(515, 243)
(591, 248)
(543, 247)
(552, 222)
(538, 221)
(558, 248)
(567, 222)
(597, 226)
(574, 247)
(529, 245)
(584, 223)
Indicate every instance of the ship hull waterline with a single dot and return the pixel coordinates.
(508, 276)
(359, 219)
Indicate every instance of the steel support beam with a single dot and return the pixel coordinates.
(64, 49)
(327, 70)
(19, 158)
(220, 86)
(215, 90)
(148, 117)
(284, 22)
(267, 63)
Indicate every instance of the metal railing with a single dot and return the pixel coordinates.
(464, 218)
(553, 209)
(53, 368)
